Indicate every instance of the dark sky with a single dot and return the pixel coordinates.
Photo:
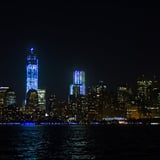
(114, 41)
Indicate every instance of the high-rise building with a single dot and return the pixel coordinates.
(7, 99)
(31, 71)
(144, 89)
(31, 101)
(78, 86)
(77, 98)
(41, 99)
(10, 98)
(148, 96)
(124, 94)
(3, 91)
(35, 97)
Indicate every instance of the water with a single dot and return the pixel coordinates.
(79, 142)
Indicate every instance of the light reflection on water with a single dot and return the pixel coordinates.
(78, 142)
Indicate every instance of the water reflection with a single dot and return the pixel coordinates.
(40, 142)
(29, 143)
(51, 142)
(78, 142)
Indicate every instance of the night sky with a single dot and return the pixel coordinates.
(114, 41)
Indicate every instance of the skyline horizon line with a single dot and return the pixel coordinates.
(93, 80)
(87, 87)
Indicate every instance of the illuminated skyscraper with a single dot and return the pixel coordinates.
(78, 86)
(41, 99)
(77, 97)
(148, 96)
(32, 71)
(3, 92)
(10, 98)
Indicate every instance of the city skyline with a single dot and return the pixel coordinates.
(115, 42)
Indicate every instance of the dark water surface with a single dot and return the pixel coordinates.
(79, 142)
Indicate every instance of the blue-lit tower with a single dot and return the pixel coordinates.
(77, 97)
(78, 86)
(31, 71)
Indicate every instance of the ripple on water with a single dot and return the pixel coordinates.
(78, 142)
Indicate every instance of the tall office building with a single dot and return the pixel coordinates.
(7, 98)
(78, 86)
(3, 92)
(10, 98)
(77, 97)
(35, 97)
(31, 71)
(31, 101)
(41, 99)
(148, 96)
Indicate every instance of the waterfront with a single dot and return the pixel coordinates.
(44, 142)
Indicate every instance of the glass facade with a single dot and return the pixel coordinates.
(31, 71)
(79, 77)
(78, 86)
(41, 97)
